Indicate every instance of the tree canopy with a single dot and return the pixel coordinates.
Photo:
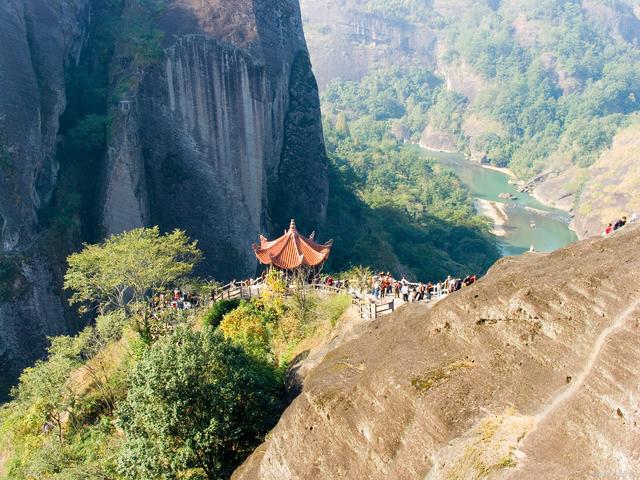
(196, 407)
(129, 268)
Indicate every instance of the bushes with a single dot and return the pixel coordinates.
(219, 309)
(248, 327)
(197, 406)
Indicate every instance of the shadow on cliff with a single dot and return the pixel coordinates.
(386, 238)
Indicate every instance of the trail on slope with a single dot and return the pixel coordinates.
(572, 389)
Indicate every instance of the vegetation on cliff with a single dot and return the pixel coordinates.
(149, 392)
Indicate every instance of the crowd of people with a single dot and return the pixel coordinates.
(384, 285)
(176, 299)
(381, 286)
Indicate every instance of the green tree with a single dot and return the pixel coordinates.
(197, 406)
(129, 268)
(250, 328)
(360, 278)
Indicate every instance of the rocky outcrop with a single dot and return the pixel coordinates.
(438, 140)
(223, 136)
(528, 374)
(37, 40)
(609, 192)
(347, 41)
(618, 18)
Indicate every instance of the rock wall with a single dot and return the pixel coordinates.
(609, 191)
(528, 374)
(346, 41)
(38, 38)
(219, 134)
(438, 140)
(223, 137)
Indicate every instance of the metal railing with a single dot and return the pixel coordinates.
(373, 310)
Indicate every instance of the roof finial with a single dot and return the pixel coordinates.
(293, 225)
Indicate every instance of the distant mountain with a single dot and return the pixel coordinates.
(548, 88)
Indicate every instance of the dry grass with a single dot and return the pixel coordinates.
(427, 381)
(488, 449)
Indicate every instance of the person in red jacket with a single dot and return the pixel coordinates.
(608, 230)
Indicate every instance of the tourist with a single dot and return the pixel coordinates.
(429, 291)
(405, 292)
(620, 223)
(396, 288)
(608, 230)
(376, 287)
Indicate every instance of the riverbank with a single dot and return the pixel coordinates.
(504, 170)
(516, 226)
(496, 212)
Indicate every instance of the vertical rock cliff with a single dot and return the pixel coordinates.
(222, 137)
(37, 40)
(347, 40)
(208, 120)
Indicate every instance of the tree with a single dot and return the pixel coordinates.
(129, 268)
(360, 278)
(45, 393)
(197, 406)
(250, 328)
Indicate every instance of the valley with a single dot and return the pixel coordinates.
(442, 304)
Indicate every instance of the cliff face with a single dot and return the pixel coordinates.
(528, 374)
(347, 41)
(610, 190)
(37, 40)
(223, 136)
(213, 126)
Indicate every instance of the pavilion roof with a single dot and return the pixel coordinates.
(292, 250)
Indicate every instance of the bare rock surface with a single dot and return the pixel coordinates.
(38, 38)
(224, 137)
(439, 140)
(529, 374)
(347, 41)
(612, 186)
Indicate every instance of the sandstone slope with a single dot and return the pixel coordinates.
(613, 185)
(529, 374)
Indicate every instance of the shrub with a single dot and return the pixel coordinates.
(197, 406)
(219, 309)
(247, 327)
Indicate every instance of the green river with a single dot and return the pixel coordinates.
(529, 222)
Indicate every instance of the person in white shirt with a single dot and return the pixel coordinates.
(405, 292)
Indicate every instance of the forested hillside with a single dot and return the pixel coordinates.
(542, 87)
(390, 207)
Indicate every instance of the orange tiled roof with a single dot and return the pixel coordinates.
(292, 250)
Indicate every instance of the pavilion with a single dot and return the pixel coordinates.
(292, 251)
